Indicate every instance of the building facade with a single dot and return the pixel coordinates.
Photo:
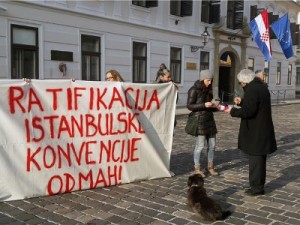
(84, 39)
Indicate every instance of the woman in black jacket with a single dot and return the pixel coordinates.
(199, 102)
(256, 134)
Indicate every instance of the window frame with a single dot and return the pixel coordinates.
(297, 76)
(210, 11)
(252, 61)
(24, 47)
(278, 73)
(145, 3)
(235, 14)
(139, 59)
(176, 65)
(267, 71)
(90, 54)
(181, 7)
(203, 64)
(289, 77)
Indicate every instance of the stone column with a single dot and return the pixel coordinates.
(216, 60)
(243, 53)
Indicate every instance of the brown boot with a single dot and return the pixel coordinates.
(198, 170)
(211, 170)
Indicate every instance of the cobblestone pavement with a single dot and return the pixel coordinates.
(163, 201)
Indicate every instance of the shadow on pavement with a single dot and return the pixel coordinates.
(182, 163)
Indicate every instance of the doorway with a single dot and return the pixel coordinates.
(226, 77)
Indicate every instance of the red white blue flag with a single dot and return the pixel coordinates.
(282, 30)
(260, 30)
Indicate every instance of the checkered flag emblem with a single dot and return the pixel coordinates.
(265, 36)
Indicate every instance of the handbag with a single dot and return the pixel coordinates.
(191, 126)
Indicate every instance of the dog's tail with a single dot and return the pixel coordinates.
(225, 214)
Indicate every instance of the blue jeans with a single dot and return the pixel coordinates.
(203, 142)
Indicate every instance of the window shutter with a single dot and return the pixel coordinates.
(205, 12)
(151, 3)
(294, 33)
(272, 20)
(174, 8)
(230, 15)
(253, 12)
(259, 11)
(238, 14)
(214, 14)
(186, 8)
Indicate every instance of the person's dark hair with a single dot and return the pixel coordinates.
(162, 66)
(162, 72)
(208, 89)
(202, 85)
(158, 74)
(115, 75)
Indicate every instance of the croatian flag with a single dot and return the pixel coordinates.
(260, 29)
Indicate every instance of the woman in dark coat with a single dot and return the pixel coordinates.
(199, 102)
(256, 134)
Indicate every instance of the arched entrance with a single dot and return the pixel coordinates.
(227, 67)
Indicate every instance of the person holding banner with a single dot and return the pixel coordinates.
(164, 76)
(256, 135)
(113, 75)
(159, 72)
(199, 101)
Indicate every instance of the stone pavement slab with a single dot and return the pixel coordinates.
(163, 201)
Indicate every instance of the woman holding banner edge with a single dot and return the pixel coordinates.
(114, 75)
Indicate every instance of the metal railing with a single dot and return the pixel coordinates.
(278, 93)
(228, 94)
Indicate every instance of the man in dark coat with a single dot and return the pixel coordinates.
(256, 134)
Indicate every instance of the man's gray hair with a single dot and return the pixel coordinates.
(245, 76)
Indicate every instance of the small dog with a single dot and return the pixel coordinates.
(201, 204)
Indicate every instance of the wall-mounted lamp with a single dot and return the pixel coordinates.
(205, 38)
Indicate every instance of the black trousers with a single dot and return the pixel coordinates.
(257, 172)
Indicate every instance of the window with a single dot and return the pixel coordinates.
(24, 52)
(267, 71)
(175, 64)
(210, 11)
(139, 62)
(254, 11)
(278, 74)
(298, 76)
(251, 64)
(295, 33)
(272, 18)
(145, 3)
(90, 57)
(289, 78)
(235, 10)
(181, 8)
(204, 60)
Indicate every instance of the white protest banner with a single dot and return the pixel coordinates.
(59, 136)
